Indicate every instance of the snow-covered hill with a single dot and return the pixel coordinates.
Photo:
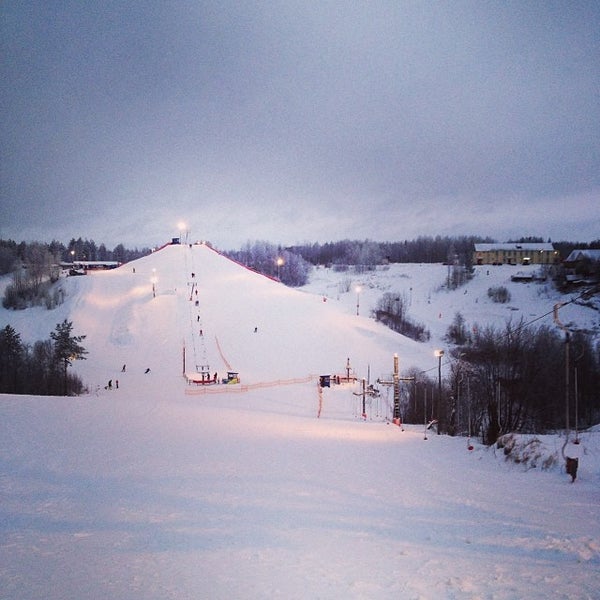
(423, 289)
(154, 490)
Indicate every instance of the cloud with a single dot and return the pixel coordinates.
(293, 121)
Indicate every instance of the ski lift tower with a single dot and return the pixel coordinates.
(396, 379)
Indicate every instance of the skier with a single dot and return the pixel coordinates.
(123, 369)
(147, 370)
(110, 384)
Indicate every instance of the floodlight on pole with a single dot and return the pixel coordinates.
(182, 229)
(424, 405)
(154, 281)
(439, 354)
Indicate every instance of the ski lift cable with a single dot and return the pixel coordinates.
(585, 294)
(186, 271)
(191, 311)
(198, 323)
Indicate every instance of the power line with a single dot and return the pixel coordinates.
(585, 294)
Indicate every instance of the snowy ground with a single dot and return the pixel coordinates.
(156, 490)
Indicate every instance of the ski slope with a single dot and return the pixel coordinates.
(297, 333)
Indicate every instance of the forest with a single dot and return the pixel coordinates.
(41, 369)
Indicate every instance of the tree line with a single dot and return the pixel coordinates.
(423, 249)
(15, 254)
(42, 368)
(292, 264)
(263, 256)
(274, 261)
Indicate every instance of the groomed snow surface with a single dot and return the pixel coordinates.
(160, 489)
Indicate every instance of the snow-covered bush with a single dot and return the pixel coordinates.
(391, 311)
(530, 452)
(499, 294)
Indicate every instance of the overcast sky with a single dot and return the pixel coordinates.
(299, 121)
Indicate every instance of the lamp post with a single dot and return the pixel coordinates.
(425, 411)
(182, 228)
(576, 364)
(424, 406)
(358, 290)
(154, 280)
(469, 445)
(439, 354)
(280, 263)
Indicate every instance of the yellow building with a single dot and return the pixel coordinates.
(515, 254)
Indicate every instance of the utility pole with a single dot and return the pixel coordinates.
(363, 394)
(567, 343)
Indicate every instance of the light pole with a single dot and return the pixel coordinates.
(154, 280)
(358, 290)
(424, 406)
(439, 354)
(469, 445)
(182, 228)
(576, 364)
(280, 263)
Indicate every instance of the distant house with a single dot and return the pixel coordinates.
(582, 266)
(515, 254)
(80, 267)
(523, 277)
(579, 256)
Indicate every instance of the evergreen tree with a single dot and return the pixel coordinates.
(11, 358)
(67, 348)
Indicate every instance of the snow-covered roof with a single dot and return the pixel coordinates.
(531, 247)
(582, 254)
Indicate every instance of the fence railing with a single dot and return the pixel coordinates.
(239, 388)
